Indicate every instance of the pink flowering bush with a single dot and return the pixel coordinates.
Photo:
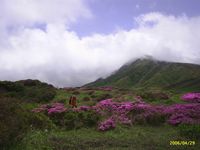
(191, 97)
(54, 108)
(183, 114)
(69, 118)
(117, 112)
(54, 111)
(112, 113)
(107, 124)
(143, 113)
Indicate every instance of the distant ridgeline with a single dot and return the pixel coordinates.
(153, 74)
(29, 90)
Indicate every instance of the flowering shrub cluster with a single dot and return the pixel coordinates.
(141, 112)
(127, 113)
(191, 97)
(107, 124)
(54, 108)
(183, 114)
(147, 114)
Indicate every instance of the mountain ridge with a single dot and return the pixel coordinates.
(150, 73)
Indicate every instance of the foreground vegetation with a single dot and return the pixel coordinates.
(22, 129)
(136, 137)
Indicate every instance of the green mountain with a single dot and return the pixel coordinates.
(152, 74)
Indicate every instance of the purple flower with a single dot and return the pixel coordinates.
(191, 97)
(51, 108)
(56, 108)
(183, 113)
(107, 124)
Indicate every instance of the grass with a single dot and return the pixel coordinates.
(64, 96)
(135, 137)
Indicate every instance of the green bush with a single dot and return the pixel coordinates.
(39, 94)
(8, 86)
(86, 98)
(71, 120)
(40, 121)
(147, 117)
(28, 90)
(189, 131)
(89, 118)
(76, 92)
(75, 120)
(91, 92)
(154, 95)
(13, 122)
(103, 97)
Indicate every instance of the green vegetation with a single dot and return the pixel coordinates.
(136, 137)
(27, 90)
(152, 74)
(17, 120)
(21, 129)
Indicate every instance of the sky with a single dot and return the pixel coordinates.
(74, 42)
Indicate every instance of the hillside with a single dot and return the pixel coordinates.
(153, 74)
(28, 90)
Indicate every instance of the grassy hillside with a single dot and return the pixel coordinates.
(152, 74)
(22, 128)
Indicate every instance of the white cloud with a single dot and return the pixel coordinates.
(61, 57)
(29, 12)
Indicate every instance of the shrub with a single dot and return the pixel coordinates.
(189, 131)
(29, 90)
(107, 124)
(103, 96)
(191, 97)
(8, 86)
(94, 96)
(40, 121)
(154, 95)
(183, 114)
(76, 92)
(54, 111)
(62, 100)
(30, 82)
(86, 98)
(91, 92)
(75, 120)
(71, 120)
(91, 103)
(39, 94)
(90, 119)
(147, 114)
(13, 121)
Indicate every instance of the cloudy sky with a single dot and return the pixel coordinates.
(73, 42)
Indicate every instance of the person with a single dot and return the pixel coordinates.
(72, 101)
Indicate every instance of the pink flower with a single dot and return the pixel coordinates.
(191, 97)
(107, 124)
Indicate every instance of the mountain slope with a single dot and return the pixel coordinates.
(149, 73)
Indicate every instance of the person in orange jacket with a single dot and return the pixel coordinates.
(72, 101)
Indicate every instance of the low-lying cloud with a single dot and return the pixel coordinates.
(59, 56)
